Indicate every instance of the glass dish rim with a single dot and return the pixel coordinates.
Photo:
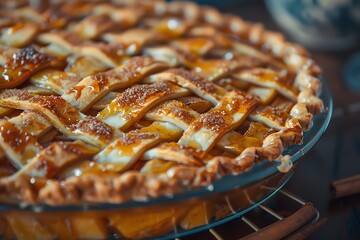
(233, 215)
(226, 183)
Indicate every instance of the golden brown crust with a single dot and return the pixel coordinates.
(180, 35)
(23, 64)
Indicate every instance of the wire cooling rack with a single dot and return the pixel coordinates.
(284, 215)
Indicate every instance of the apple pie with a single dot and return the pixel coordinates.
(114, 101)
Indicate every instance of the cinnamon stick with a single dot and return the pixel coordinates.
(306, 231)
(345, 187)
(286, 226)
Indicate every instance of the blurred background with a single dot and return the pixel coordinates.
(330, 30)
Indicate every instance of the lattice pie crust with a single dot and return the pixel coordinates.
(111, 102)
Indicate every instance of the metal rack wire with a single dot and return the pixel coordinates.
(297, 223)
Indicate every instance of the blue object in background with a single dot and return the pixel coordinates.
(319, 24)
(352, 73)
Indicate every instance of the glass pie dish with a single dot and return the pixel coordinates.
(145, 119)
(164, 217)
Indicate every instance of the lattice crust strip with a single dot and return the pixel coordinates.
(126, 100)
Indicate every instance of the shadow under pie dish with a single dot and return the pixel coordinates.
(123, 102)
